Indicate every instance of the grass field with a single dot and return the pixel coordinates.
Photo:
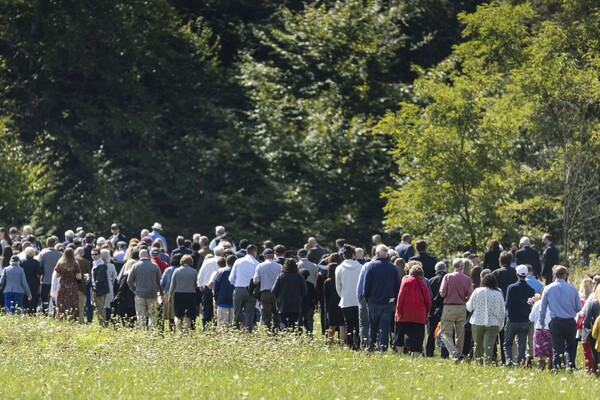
(43, 358)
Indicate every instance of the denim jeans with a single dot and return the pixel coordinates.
(520, 330)
(380, 319)
(363, 323)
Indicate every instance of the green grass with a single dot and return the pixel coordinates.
(43, 358)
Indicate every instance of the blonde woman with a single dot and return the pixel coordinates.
(183, 294)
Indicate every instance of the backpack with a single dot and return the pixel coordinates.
(101, 278)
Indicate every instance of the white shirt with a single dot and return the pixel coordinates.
(243, 270)
(208, 267)
(487, 306)
(534, 315)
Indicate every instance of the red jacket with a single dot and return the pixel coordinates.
(414, 301)
(161, 264)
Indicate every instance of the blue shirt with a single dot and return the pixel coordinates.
(561, 299)
(165, 280)
(156, 235)
(534, 283)
(266, 274)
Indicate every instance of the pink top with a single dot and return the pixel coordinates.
(456, 288)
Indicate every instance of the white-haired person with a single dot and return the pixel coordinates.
(144, 281)
(528, 255)
(15, 286)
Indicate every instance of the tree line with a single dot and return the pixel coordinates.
(455, 120)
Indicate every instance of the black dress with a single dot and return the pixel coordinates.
(125, 302)
(332, 301)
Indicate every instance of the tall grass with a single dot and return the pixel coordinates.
(43, 358)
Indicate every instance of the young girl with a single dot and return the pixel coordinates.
(542, 341)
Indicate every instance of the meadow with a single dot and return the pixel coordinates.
(44, 358)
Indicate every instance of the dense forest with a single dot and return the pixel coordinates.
(456, 121)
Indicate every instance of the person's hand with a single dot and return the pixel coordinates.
(29, 297)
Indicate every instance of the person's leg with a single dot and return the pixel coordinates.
(81, 302)
(558, 343)
(249, 309)
(363, 322)
(431, 327)
(310, 316)
(140, 312)
(238, 305)
(478, 331)
(522, 332)
(530, 331)
(45, 296)
(489, 338)
(509, 337)
(89, 308)
(266, 314)
(99, 301)
(459, 328)
(570, 333)
(352, 330)
(387, 315)
(595, 359)
(208, 313)
(374, 322)
(446, 329)
(274, 310)
(153, 315)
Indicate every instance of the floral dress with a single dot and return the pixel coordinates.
(67, 298)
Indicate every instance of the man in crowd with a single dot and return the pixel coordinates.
(69, 236)
(315, 251)
(381, 285)
(280, 253)
(85, 285)
(265, 275)
(241, 274)
(427, 261)
(517, 310)
(549, 258)
(144, 281)
(181, 249)
(456, 288)
(305, 263)
(48, 259)
(405, 249)
(526, 255)
(563, 301)
(116, 236)
(156, 234)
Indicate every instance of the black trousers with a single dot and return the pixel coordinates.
(208, 312)
(352, 327)
(45, 295)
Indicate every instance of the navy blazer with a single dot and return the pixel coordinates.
(527, 255)
(428, 262)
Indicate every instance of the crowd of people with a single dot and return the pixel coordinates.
(493, 311)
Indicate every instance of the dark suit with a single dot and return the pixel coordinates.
(550, 259)
(527, 255)
(428, 262)
(117, 238)
(405, 250)
(435, 315)
(315, 254)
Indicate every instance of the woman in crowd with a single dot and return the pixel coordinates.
(15, 286)
(289, 288)
(5, 240)
(585, 289)
(182, 293)
(542, 341)
(7, 254)
(165, 282)
(67, 298)
(33, 272)
(308, 303)
(491, 259)
(412, 307)
(346, 281)
(592, 310)
(486, 305)
(125, 299)
(335, 317)
(111, 270)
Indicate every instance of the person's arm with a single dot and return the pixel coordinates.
(130, 279)
(217, 285)
(338, 281)
(470, 303)
(256, 277)
(444, 286)
(543, 309)
(304, 286)
(233, 274)
(427, 297)
(509, 301)
(173, 286)
(158, 276)
(275, 290)
(400, 301)
(25, 285)
(368, 283)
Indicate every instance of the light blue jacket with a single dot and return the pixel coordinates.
(13, 280)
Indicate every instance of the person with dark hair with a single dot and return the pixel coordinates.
(517, 314)
(346, 282)
(125, 299)
(550, 258)
(242, 246)
(505, 275)
(335, 317)
(427, 261)
(339, 245)
(412, 307)
(486, 305)
(304, 263)
(289, 289)
(308, 304)
(5, 240)
(116, 236)
(404, 248)
(196, 256)
(491, 258)
(181, 249)
(280, 251)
